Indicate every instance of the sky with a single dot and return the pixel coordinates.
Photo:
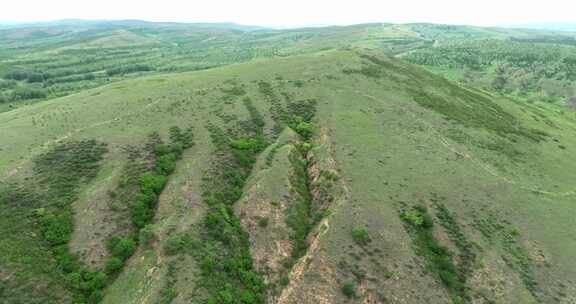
(297, 12)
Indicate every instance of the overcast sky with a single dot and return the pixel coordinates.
(297, 12)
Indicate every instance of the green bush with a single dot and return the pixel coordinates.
(142, 214)
(121, 248)
(176, 243)
(57, 228)
(284, 281)
(412, 217)
(129, 69)
(183, 138)
(149, 181)
(162, 149)
(249, 144)
(263, 222)
(113, 265)
(360, 235)
(24, 93)
(304, 129)
(146, 234)
(349, 290)
(438, 256)
(166, 164)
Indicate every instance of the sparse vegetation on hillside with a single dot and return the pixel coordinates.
(439, 258)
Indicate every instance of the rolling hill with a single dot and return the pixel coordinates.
(349, 165)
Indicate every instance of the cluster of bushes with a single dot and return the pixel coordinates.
(151, 183)
(467, 254)
(228, 272)
(420, 225)
(61, 171)
(72, 78)
(120, 249)
(277, 111)
(25, 93)
(475, 110)
(129, 69)
(27, 76)
(299, 215)
(223, 251)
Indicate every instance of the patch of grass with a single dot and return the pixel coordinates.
(515, 255)
(276, 109)
(168, 292)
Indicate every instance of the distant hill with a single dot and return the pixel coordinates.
(130, 22)
(569, 27)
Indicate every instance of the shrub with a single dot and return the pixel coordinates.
(427, 221)
(263, 222)
(162, 149)
(149, 181)
(176, 243)
(141, 214)
(121, 248)
(147, 198)
(413, 217)
(166, 164)
(304, 129)
(284, 281)
(360, 235)
(66, 261)
(36, 77)
(184, 138)
(113, 265)
(349, 290)
(249, 144)
(24, 93)
(128, 69)
(147, 234)
(57, 228)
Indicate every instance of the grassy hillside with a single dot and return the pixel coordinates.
(297, 166)
(362, 178)
(51, 60)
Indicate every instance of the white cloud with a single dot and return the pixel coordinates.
(296, 12)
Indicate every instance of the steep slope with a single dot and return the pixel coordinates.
(416, 189)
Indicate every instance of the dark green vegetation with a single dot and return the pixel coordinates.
(537, 68)
(420, 224)
(56, 181)
(224, 258)
(376, 163)
(44, 205)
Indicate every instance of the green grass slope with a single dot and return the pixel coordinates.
(420, 190)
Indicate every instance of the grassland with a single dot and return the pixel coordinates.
(305, 155)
